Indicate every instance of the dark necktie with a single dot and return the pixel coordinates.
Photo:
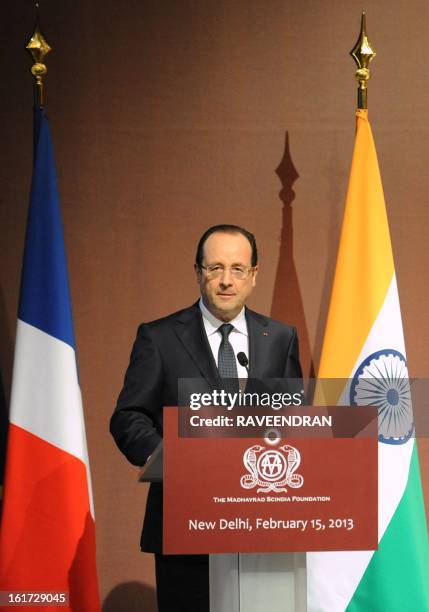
(226, 364)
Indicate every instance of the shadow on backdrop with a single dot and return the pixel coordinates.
(336, 176)
(6, 346)
(287, 300)
(132, 597)
(6, 360)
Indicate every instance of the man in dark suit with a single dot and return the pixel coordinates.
(198, 342)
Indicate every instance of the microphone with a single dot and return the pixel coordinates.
(243, 361)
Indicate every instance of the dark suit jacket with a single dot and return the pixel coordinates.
(177, 347)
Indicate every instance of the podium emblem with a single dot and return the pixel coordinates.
(271, 469)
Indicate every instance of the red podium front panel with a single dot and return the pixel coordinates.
(224, 495)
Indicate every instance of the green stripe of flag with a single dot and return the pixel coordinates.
(397, 577)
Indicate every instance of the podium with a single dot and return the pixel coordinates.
(257, 503)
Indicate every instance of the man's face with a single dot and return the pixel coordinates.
(226, 295)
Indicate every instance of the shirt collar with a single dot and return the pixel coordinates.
(212, 323)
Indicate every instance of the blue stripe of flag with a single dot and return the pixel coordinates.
(45, 295)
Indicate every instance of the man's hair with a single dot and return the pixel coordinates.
(226, 229)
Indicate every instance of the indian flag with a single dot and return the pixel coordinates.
(364, 344)
(47, 532)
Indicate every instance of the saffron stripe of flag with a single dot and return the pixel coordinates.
(47, 533)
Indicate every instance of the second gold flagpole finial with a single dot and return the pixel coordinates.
(363, 52)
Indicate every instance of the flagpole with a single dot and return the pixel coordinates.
(363, 52)
(38, 48)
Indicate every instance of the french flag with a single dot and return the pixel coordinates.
(47, 531)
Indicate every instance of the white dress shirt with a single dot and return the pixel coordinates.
(238, 338)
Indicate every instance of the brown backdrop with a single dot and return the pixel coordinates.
(172, 115)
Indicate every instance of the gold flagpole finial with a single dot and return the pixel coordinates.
(38, 48)
(363, 52)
